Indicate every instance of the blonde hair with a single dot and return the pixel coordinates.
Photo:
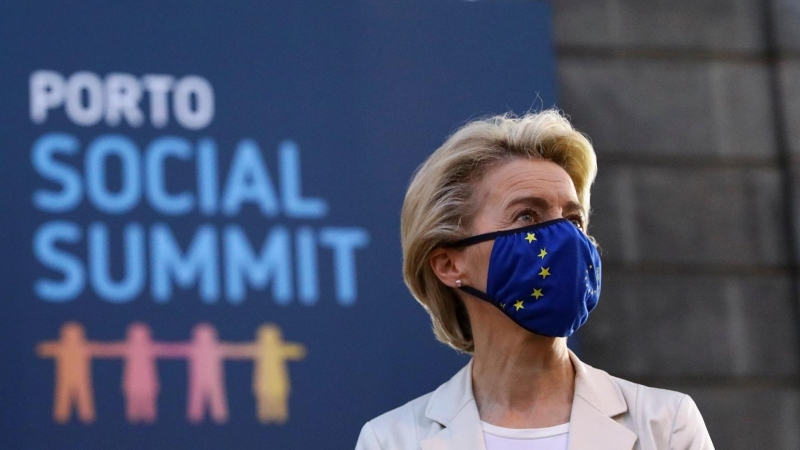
(439, 202)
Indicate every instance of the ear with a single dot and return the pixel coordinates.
(447, 264)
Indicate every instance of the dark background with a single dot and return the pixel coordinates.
(367, 89)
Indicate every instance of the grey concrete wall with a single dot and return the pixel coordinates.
(697, 202)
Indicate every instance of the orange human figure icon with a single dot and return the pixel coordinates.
(140, 384)
(271, 384)
(73, 379)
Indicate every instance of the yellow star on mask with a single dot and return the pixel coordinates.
(518, 305)
(545, 272)
(537, 293)
(542, 253)
(530, 237)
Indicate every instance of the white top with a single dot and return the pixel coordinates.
(550, 438)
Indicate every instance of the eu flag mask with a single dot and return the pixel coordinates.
(545, 277)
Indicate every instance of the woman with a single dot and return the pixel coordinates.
(495, 249)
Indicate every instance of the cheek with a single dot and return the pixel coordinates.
(477, 263)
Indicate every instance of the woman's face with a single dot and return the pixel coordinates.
(515, 194)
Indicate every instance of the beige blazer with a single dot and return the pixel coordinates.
(608, 413)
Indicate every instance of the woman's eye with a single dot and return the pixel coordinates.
(578, 222)
(525, 217)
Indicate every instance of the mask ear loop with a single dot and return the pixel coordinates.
(480, 294)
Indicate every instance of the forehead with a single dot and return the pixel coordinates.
(536, 177)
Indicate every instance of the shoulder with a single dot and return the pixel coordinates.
(663, 417)
(614, 395)
(401, 427)
(648, 400)
(406, 426)
(404, 419)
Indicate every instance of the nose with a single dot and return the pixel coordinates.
(552, 213)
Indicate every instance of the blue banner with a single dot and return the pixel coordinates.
(200, 211)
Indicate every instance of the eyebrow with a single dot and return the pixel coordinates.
(540, 202)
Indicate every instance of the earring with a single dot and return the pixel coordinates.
(458, 283)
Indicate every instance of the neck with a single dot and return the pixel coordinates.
(521, 380)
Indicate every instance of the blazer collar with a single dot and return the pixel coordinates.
(597, 399)
(453, 406)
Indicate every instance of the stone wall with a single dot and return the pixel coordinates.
(694, 110)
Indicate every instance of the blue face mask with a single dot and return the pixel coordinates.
(545, 277)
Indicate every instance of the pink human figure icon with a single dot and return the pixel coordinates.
(73, 375)
(206, 356)
(140, 384)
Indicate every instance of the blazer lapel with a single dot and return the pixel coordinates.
(453, 407)
(589, 429)
(597, 400)
(463, 432)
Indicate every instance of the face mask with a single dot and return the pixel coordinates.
(545, 277)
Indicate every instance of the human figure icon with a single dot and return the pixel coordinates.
(73, 380)
(206, 376)
(140, 382)
(205, 356)
(271, 384)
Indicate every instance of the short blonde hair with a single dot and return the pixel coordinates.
(439, 202)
